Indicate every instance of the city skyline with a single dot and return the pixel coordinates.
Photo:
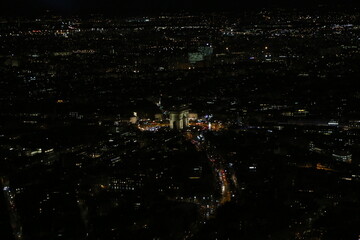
(127, 7)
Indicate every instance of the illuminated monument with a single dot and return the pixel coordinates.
(179, 117)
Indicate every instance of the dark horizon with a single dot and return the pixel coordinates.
(127, 7)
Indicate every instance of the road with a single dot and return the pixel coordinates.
(14, 217)
(219, 167)
(225, 187)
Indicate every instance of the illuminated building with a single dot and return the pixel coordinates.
(179, 118)
(342, 157)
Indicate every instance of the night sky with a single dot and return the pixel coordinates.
(120, 7)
